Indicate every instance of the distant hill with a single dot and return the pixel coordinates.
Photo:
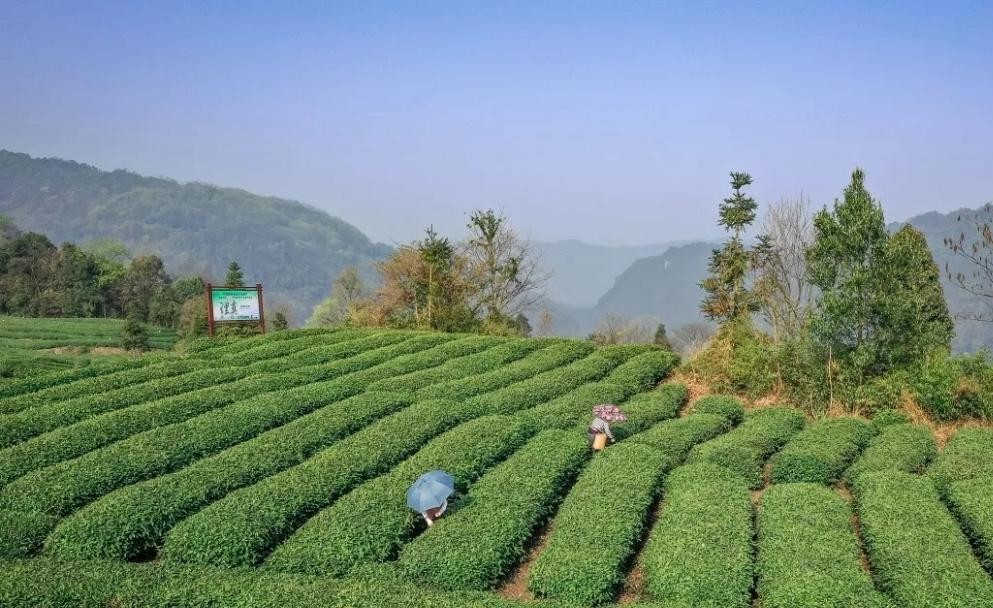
(581, 272)
(295, 250)
(665, 286)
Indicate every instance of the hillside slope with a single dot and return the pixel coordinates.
(295, 250)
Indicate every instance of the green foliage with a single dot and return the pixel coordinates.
(739, 359)
(967, 455)
(133, 335)
(22, 532)
(484, 537)
(728, 299)
(134, 519)
(644, 410)
(822, 451)
(675, 438)
(969, 500)
(235, 277)
(808, 556)
(919, 555)
(370, 523)
(884, 418)
(725, 406)
(745, 449)
(279, 321)
(598, 525)
(897, 447)
(952, 388)
(699, 554)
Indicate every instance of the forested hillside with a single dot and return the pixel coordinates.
(295, 250)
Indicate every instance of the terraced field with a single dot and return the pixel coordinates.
(272, 471)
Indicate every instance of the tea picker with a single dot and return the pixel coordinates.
(599, 430)
(429, 495)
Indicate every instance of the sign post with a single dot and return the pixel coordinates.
(234, 305)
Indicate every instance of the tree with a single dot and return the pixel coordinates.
(235, 277)
(27, 260)
(112, 258)
(193, 318)
(503, 269)
(279, 321)
(145, 278)
(977, 253)
(785, 295)
(546, 324)
(134, 337)
(727, 297)
(661, 339)
(916, 321)
(614, 329)
(689, 339)
(346, 293)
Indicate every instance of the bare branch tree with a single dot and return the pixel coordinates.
(503, 266)
(615, 329)
(689, 339)
(978, 254)
(780, 275)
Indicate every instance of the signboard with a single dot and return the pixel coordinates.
(233, 305)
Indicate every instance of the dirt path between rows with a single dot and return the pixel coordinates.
(515, 586)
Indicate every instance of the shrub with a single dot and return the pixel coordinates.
(884, 418)
(808, 556)
(744, 449)
(22, 532)
(642, 372)
(899, 447)
(598, 525)
(918, 553)
(699, 554)
(675, 438)
(822, 451)
(61, 488)
(970, 501)
(555, 355)
(645, 410)
(487, 533)
(575, 407)
(969, 454)
(127, 378)
(242, 528)
(134, 336)
(134, 519)
(725, 406)
(370, 523)
(499, 355)
(37, 382)
(955, 387)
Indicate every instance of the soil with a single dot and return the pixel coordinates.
(633, 589)
(515, 586)
(846, 494)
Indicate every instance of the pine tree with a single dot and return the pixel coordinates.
(279, 322)
(661, 339)
(728, 299)
(134, 337)
(235, 277)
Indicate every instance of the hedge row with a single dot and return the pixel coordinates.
(126, 378)
(66, 486)
(969, 454)
(80, 438)
(808, 555)
(745, 449)
(243, 528)
(29, 423)
(487, 533)
(93, 433)
(22, 532)
(599, 523)
(575, 407)
(970, 501)
(900, 447)
(61, 488)
(699, 554)
(135, 519)
(472, 365)
(277, 350)
(370, 523)
(346, 356)
(544, 387)
(725, 406)
(93, 584)
(822, 451)
(675, 438)
(34, 383)
(555, 355)
(643, 372)
(919, 555)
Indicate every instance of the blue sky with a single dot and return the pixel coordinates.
(612, 122)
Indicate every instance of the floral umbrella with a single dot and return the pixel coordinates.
(609, 412)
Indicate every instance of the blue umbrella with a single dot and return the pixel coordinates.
(430, 490)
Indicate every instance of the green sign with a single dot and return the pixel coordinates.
(235, 305)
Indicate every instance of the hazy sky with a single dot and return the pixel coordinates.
(613, 122)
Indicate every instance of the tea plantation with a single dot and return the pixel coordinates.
(272, 471)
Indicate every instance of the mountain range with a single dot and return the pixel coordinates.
(296, 250)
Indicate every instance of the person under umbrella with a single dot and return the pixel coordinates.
(603, 415)
(429, 495)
